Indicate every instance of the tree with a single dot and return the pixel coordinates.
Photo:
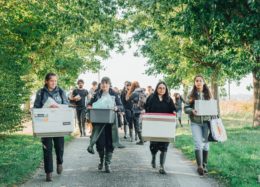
(223, 38)
(36, 37)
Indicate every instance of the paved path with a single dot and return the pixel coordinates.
(131, 167)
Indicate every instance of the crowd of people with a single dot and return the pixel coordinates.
(131, 101)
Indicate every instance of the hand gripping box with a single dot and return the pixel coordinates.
(53, 122)
(206, 107)
(160, 127)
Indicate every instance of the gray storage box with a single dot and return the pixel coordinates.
(102, 115)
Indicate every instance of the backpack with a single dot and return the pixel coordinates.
(141, 100)
(60, 92)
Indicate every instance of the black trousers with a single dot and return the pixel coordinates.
(137, 123)
(47, 152)
(105, 141)
(129, 118)
(158, 146)
(81, 115)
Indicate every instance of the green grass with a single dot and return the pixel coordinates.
(20, 156)
(235, 162)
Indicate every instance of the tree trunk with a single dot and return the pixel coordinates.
(256, 113)
(214, 87)
(185, 91)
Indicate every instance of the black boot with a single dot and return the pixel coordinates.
(84, 130)
(205, 161)
(135, 136)
(162, 162)
(125, 131)
(108, 158)
(141, 142)
(131, 135)
(198, 155)
(101, 163)
(153, 160)
(180, 122)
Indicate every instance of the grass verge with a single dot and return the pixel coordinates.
(235, 162)
(20, 156)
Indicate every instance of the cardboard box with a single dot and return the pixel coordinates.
(160, 127)
(53, 122)
(206, 107)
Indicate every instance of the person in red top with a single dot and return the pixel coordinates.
(160, 102)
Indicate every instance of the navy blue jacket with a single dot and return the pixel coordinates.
(42, 95)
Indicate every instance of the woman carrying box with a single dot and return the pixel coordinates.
(160, 102)
(51, 89)
(199, 124)
(104, 143)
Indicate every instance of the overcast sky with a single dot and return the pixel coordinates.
(122, 67)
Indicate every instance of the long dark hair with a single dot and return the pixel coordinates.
(48, 76)
(194, 92)
(166, 96)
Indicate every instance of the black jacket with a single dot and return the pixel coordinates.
(98, 95)
(128, 105)
(154, 105)
(42, 95)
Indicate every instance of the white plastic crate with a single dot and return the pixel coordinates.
(159, 127)
(53, 122)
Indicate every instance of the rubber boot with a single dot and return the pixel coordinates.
(108, 158)
(162, 162)
(101, 163)
(180, 122)
(125, 131)
(97, 130)
(153, 161)
(205, 161)
(135, 136)
(141, 142)
(198, 155)
(131, 135)
(84, 129)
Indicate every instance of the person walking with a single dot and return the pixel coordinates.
(178, 104)
(199, 124)
(105, 133)
(80, 96)
(160, 102)
(137, 96)
(128, 119)
(51, 90)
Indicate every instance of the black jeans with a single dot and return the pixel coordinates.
(137, 124)
(158, 146)
(129, 118)
(47, 152)
(81, 115)
(105, 141)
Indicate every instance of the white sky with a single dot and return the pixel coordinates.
(122, 67)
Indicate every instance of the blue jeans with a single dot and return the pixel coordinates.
(200, 136)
